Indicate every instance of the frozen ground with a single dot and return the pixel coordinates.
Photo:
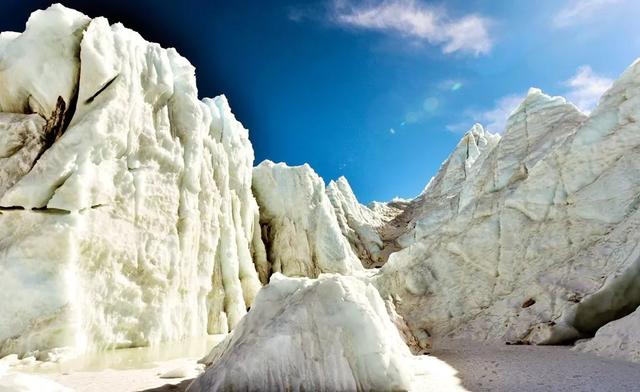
(496, 368)
(474, 366)
(124, 370)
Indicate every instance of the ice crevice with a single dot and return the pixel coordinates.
(101, 90)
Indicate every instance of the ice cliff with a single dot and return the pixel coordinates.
(126, 211)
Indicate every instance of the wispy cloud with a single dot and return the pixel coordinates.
(418, 21)
(584, 90)
(586, 87)
(579, 11)
(493, 119)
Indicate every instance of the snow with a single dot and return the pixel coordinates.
(330, 333)
(22, 382)
(184, 371)
(136, 224)
(41, 64)
(300, 228)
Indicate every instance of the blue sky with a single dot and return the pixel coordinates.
(379, 91)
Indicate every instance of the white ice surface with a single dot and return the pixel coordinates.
(145, 227)
(619, 339)
(300, 228)
(331, 333)
(513, 233)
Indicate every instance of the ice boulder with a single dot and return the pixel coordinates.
(619, 339)
(327, 334)
(299, 226)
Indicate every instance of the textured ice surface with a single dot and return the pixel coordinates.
(528, 237)
(513, 236)
(134, 223)
(332, 334)
(619, 339)
(367, 229)
(300, 228)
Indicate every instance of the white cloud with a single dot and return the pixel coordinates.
(494, 119)
(586, 87)
(413, 19)
(578, 11)
(392, 131)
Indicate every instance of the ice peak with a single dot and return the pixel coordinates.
(56, 15)
(477, 128)
(536, 100)
(342, 183)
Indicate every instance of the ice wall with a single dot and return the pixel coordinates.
(300, 228)
(126, 213)
(514, 247)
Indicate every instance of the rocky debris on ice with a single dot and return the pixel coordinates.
(332, 333)
(126, 211)
(534, 240)
(416, 345)
(299, 226)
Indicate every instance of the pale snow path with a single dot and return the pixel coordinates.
(497, 368)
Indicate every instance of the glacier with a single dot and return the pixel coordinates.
(131, 214)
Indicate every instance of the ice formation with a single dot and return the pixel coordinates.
(299, 225)
(331, 334)
(367, 229)
(518, 244)
(127, 216)
(528, 237)
(618, 339)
